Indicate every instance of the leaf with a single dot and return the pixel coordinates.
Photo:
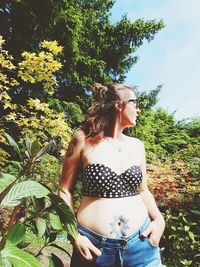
(52, 237)
(44, 150)
(51, 263)
(5, 180)
(55, 221)
(6, 190)
(35, 148)
(18, 257)
(4, 262)
(16, 234)
(66, 215)
(13, 144)
(57, 261)
(41, 226)
(197, 212)
(186, 227)
(28, 144)
(191, 235)
(60, 248)
(16, 164)
(21, 190)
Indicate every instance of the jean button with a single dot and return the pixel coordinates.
(123, 242)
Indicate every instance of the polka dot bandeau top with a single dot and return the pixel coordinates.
(101, 181)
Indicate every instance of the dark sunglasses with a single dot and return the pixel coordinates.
(134, 101)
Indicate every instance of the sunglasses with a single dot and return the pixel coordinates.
(135, 102)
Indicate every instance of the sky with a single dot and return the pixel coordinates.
(172, 58)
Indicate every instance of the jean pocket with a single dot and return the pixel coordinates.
(150, 244)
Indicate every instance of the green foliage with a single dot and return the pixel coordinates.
(22, 190)
(93, 48)
(55, 221)
(160, 132)
(32, 116)
(29, 205)
(15, 234)
(17, 257)
(46, 174)
(191, 153)
(72, 111)
(192, 127)
(180, 239)
(66, 216)
(191, 156)
(5, 180)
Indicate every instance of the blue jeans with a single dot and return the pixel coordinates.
(131, 251)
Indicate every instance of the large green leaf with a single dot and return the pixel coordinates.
(41, 226)
(66, 215)
(16, 234)
(4, 262)
(55, 221)
(18, 257)
(13, 144)
(5, 180)
(21, 190)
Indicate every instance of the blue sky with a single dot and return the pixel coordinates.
(173, 57)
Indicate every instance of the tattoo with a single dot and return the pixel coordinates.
(119, 226)
(71, 146)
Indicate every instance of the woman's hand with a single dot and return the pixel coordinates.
(154, 231)
(85, 248)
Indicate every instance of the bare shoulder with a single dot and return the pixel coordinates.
(77, 143)
(79, 136)
(136, 142)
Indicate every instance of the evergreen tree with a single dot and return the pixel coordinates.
(94, 48)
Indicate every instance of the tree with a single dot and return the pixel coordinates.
(31, 116)
(159, 131)
(94, 49)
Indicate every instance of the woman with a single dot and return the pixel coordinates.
(119, 223)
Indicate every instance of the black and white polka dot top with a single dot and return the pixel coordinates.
(101, 181)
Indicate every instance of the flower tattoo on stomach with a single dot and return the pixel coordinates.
(119, 226)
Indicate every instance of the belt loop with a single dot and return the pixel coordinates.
(141, 237)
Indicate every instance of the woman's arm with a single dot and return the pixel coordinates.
(157, 226)
(71, 167)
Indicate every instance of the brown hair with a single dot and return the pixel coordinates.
(100, 115)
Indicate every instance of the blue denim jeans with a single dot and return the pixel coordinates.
(131, 251)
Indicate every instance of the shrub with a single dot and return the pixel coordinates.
(27, 205)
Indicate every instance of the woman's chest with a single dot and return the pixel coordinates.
(117, 160)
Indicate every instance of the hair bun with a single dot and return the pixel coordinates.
(99, 92)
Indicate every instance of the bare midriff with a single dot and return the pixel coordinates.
(112, 217)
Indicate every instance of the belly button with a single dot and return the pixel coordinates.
(120, 224)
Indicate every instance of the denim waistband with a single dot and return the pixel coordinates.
(101, 240)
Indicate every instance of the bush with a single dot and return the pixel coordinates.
(27, 205)
(180, 239)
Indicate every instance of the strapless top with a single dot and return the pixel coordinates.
(101, 181)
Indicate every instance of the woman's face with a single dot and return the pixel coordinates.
(130, 110)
